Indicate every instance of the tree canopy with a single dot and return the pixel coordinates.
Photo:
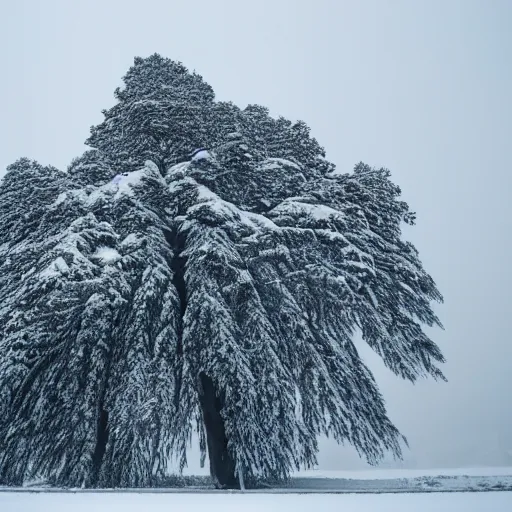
(203, 267)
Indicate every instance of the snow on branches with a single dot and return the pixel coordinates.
(202, 265)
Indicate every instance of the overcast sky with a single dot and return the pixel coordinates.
(422, 87)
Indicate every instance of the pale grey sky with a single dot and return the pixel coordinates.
(422, 87)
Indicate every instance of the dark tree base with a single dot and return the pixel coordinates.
(101, 446)
(222, 466)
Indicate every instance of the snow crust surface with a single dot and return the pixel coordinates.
(223, 502)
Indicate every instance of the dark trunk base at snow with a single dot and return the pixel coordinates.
(101, 446)
(222, 466)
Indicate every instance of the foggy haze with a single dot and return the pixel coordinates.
(421, 87)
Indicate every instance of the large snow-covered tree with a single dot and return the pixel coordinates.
(202, 268)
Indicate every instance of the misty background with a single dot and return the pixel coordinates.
(422, 87)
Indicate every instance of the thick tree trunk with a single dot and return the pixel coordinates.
(178, 264)
(222, 466)
(101, 446)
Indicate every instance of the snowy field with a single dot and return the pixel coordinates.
(381, 474)
(406, 480)
(362, 491)
(126, 502)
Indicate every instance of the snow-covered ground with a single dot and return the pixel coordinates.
(127, 502)
(381, 490)
(406, 480)
(387, 474)
(373, 481)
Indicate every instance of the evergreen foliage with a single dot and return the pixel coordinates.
(203, 267)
